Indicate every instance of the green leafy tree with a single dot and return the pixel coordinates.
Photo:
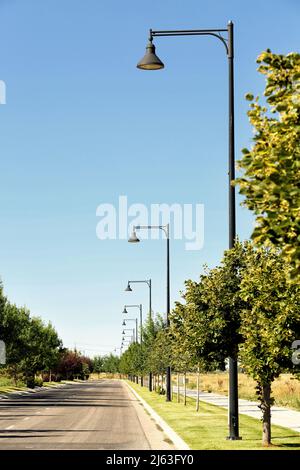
(269, 324)
(42, 347)
(270, 182)
(97, 364)
(110, 363)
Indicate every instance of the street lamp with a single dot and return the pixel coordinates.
(119, 349)
(128, 289)
(146, 281)
(151, 62)
(127, 329)
(136, 326)
(134, 239)
(139, 306)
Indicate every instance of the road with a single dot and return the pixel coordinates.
(91, 415)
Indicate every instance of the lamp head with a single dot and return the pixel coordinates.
(133, 238)
(150, 61)
(124, 323)
(128, 288)
(124, 311)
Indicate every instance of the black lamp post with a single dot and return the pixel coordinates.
(146, 281)
(139, 306)
(128, 289)
(151, 62)
(136, 326)
(134, 239)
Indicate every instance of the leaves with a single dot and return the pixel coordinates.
(271, 168)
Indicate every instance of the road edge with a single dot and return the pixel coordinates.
(179, 443)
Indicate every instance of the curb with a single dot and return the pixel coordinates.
(179, 443)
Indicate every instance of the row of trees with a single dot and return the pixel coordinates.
(108, 363)
(34, 348)
(245, 307)
(31, 346)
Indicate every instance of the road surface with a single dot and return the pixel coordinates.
(91, 415)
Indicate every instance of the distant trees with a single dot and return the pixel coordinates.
(31, 346)
(34, 348)
(72, 365)
(108, 363)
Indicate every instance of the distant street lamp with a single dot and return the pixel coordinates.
(150, 61)
(139, 306)
(146, 281)
(136, 326)
(134, 239)
(128, 289)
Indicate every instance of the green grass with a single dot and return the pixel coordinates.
(208, 428)
(7, 385)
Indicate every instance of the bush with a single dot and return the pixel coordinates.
(38, 382)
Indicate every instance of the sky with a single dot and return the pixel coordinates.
(82, 126)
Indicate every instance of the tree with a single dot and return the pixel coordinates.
(69, 365)
(271, 179)
(97, 364)
(270, 323)
(110, 364)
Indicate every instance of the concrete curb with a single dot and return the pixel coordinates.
(175, 438)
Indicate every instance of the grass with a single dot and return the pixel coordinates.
(285, 389)
(207, 429)
(7, 385)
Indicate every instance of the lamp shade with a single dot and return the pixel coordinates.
(128, 288)
(124, 323)
(125, 311)
(150, 61)
(133, 238)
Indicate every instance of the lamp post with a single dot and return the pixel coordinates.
(128, 329)
(136, 326)
(151, 62)
(134, 239)
(146, 281)
(139, 306)
(128, 289)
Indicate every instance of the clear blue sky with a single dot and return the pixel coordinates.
(82, 126)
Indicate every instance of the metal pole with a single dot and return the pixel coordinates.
(150, 298)
(150, 318)
(168, 371)
(141, 324)
(136, 331)
(233, 370)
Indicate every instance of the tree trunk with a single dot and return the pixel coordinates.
(198, 388)
(142, 381)
(184, 388)
(178, 388)
(266, 411)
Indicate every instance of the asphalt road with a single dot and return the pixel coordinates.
(92, 415)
